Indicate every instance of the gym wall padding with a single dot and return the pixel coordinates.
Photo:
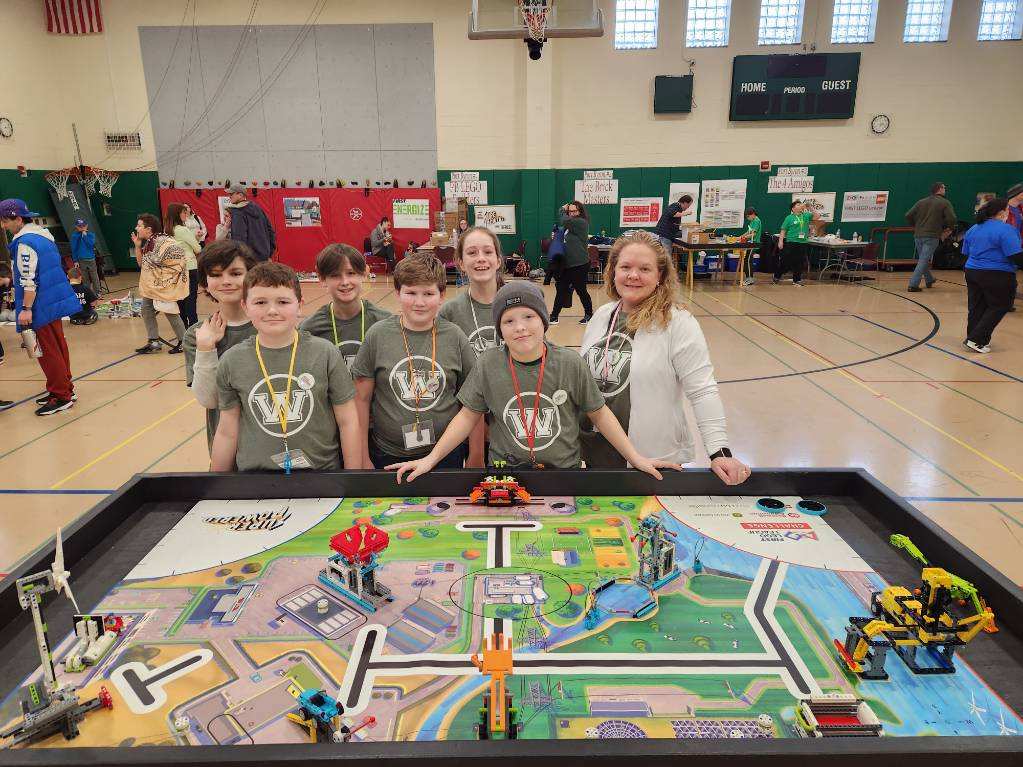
(349, 101)
(134, 193)
(538, 193)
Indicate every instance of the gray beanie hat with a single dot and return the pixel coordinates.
(237, 188)
(1014, 190)
(519, 293)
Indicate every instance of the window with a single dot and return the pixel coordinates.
(781, 22)
(707, 23)
(1001, 20)
(927, 21)
(635, 24)
(854, 21)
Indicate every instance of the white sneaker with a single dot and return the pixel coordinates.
(798, 284)
(975, 347)
(748, 281)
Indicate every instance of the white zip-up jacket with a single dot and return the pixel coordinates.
(668, 365)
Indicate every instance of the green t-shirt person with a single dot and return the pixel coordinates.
(754, 228)
(796, 226)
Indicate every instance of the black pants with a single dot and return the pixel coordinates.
(189, 314)
(990, 294)
(571, 279)
(387, 253)
(791, 258)
(453, 460)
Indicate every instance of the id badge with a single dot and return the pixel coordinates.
(418, 436)
(299, 460)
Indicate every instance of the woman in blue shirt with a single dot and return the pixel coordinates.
(993, 250)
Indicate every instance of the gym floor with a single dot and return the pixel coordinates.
(828, 375)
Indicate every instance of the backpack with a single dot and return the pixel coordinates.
(557, 247)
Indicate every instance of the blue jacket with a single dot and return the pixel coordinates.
(250, 225)
(83, 246)
(37, 267)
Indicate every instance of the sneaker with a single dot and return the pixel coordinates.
(911, 289)
(775, 281)
(6, 404)
(554, 321)
(930, 284)
(176, 349)
(975, 347)
(748, 281)
(586, 318)
(55, 406)
(150, 348)
(798, 284)
(46, 398)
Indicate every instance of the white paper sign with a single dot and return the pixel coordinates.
(678, 189)
(500, 219)
(640, 211)
(597, 191)
(794, 170)
(723, 203)
(410, 214)
(865, 206)
(789, 184)
(592, 174)
(302, 211)
(474, 191)
(821, 203)
(465, 175)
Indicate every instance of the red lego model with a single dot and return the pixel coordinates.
(499, 491)
(106, 700)
(359, 546)
(113, 623)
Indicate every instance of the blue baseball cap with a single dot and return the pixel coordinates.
(13, 208)
(79, 222)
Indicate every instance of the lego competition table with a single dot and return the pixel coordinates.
(340, 618)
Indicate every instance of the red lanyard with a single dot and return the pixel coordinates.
(531, 429)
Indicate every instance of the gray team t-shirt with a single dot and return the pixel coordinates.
(233, 334)
(383, 358)
(475, 319)
(568, 393)
(610, 364)
(349, 332)
(321, 380)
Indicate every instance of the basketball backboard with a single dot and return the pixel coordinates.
(502, 19)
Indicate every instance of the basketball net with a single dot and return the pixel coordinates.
(105, 180)
(534, 16)
(58, 180)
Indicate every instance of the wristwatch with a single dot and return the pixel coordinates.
(722, 453)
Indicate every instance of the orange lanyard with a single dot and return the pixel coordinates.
(411, 367)
(531, 429)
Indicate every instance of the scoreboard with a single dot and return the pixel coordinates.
(816, 86)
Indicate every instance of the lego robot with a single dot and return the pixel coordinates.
(321, 714)
(352, 570)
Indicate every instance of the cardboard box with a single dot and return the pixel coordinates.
(695, 236)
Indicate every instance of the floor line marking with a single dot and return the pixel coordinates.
(183, 442)
(77, 378)
(106, 454)
(21, 491)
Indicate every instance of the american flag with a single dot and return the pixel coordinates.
(73, 17)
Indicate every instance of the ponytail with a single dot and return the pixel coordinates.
(991, 208)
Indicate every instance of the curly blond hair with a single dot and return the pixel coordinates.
(655, 312)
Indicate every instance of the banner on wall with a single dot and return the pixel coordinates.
(302, 211)
(465, 175)
(410, 214)
(789, 184)
(794, 170)
(597, 191)
(821, 203)
(473, 190)
(865, 206)
(676, 190)
(724, 203)
(640, 211)
(500, 219)
(595, 174)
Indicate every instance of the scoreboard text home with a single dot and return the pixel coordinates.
(818, 86)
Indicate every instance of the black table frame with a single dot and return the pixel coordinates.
(89, 531)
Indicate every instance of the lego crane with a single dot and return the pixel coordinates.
(352, 570)
(497, 714)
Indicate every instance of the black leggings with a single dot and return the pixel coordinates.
(791, 258)
(990, 295)
(189, 314)
(571, 279)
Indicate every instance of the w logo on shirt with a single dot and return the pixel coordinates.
(611, 369)
(267, 408)
(425, 384)
(520, 422)
(484, 338)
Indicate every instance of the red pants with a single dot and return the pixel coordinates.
(56, 361)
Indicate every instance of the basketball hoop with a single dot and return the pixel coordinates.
(58, 180)
(105, 180)
(534, 16)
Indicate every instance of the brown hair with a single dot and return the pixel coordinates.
(936, 186)
(991, 208)
(5, 270)
(74, 273)
(271, 274)
(655, 312)
(172, 217)
(151, 222)
(420, 269)
(220, 254)
(582, 210)
(331, 260)
(463, 235)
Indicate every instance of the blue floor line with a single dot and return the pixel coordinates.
(55, 492)
(942, 349)
(79, 378)
(956, 499)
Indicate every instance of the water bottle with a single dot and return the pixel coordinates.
(32, 347)
(838, 233)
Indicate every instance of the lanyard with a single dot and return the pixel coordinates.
(607, 344)
(286, 406)
(411, 367)
(531, 428)
(362, 331)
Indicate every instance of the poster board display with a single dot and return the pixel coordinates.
(410, 214)
(500, 219)
(597, 191)
(723, 203)
(865, 206)
(821, 203)
(302, 211)
(473, 190)
(638, 212)
(789, 184)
